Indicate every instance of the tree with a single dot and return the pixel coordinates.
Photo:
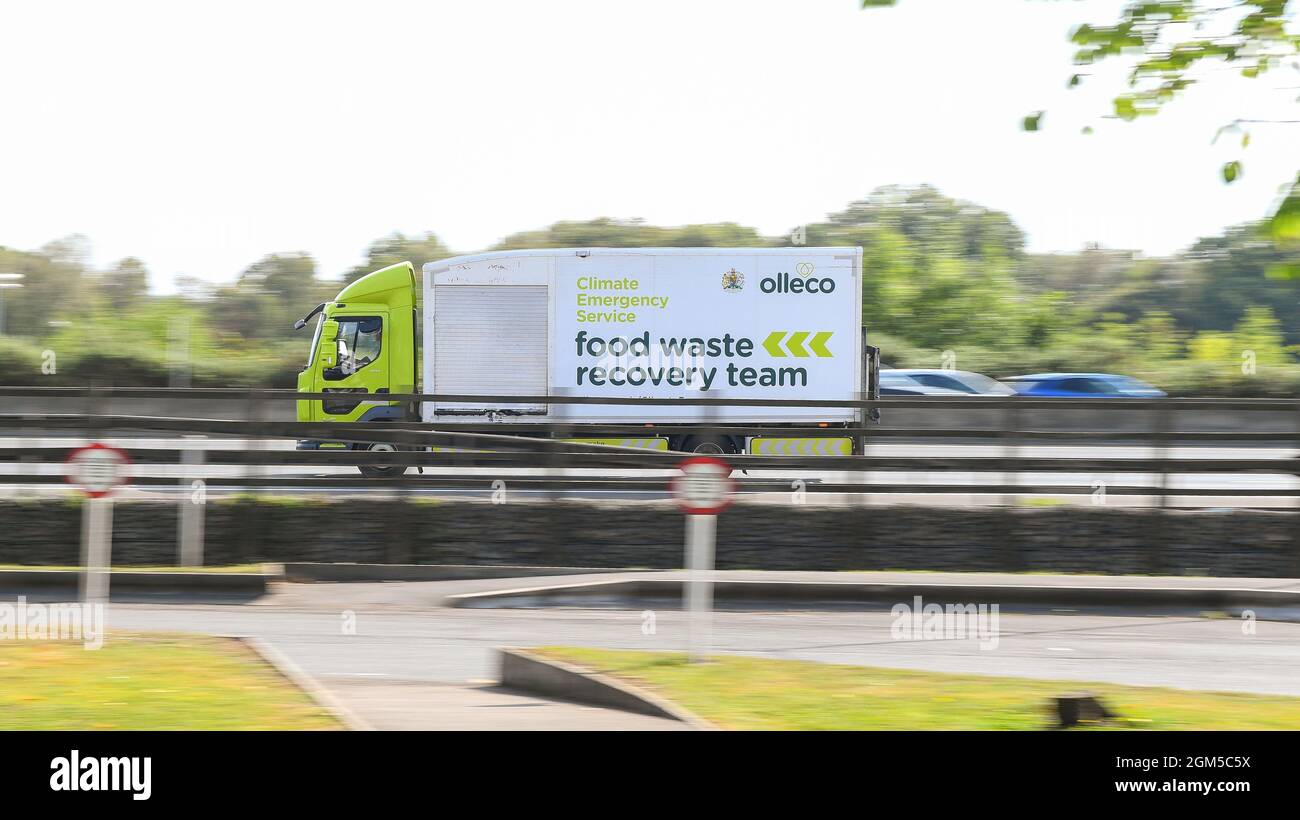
(54, 285)
(605, 232)
(1174, 43)
(941, 271)
(126, 284)
(398, 247)
(269, 295)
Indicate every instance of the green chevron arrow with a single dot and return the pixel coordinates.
(795, 344)
(772, 344)
(818, 344)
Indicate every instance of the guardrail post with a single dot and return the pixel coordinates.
(1295, 524)
(1011, 556)
(193, 505)
(250, 539)
(94, 421)
(555, 462)
(399, 523)
(1159, 520)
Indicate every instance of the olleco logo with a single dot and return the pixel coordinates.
(785, 283)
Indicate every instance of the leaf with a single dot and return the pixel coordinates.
(1032, 122)
(1231, 170)
(866, 4)
(1074, 81)
(1284, 224)
(1283, 270)
(1223, 129)
(1087, 129)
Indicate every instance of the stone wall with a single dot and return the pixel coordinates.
(640, 534)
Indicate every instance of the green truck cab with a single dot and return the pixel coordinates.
(364, 347)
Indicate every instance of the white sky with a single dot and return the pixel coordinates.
(201, 136)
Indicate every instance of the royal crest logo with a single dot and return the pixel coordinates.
(733, 280)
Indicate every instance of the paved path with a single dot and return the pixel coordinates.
(416, 705)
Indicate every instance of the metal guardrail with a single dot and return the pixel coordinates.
(265, 395)
(508, 447)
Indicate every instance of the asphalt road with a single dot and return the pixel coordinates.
(1207, 484)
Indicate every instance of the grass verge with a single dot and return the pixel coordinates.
(148, 681)
(737, 692)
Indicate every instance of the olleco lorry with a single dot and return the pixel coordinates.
(665, 323)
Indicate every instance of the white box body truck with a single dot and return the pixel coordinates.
(652, 323)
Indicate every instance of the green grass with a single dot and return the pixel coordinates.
(240, 568)
(152, 681)
(758, 693)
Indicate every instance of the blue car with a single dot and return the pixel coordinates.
(1082, 386)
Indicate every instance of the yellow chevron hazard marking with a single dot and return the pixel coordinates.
(818, 344)
(841, 446)
(795, 344)
(772, 344)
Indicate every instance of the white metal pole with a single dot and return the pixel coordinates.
(97, 535)
(700, 531)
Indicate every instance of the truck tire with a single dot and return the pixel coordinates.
(710, 445)
(371, 471)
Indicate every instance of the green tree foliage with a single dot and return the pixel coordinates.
(940, 275)
(1172, 45)
(397, 247)
(632, 233)
(942, 270)
(126, 283)
(54, 285)
(271, 294)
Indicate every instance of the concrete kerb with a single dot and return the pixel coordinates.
(1215, 598)
(248, 582)
(529, 672)
(309, 685)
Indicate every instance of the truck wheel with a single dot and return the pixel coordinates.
(371, 471)
(709, 445)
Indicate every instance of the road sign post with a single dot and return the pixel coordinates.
(702, 490)
(97, 470)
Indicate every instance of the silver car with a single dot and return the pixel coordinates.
(957, 381)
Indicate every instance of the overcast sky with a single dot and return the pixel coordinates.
(201, 136)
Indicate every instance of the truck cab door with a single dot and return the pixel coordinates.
(353, 362)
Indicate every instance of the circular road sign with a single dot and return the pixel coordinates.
(96, 469)
(705, 485)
